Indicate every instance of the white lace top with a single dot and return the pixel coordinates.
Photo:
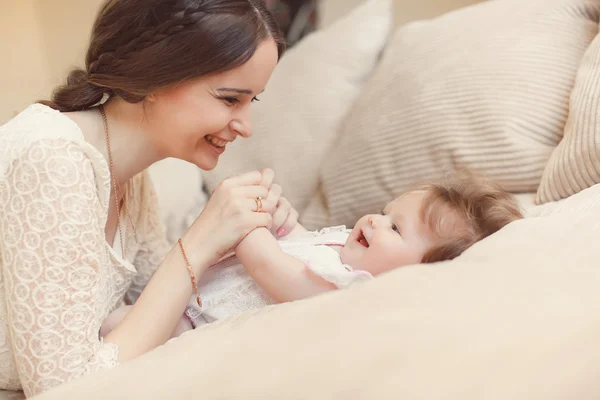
(227, 289)
(59, 277)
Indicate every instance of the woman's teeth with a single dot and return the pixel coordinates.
(220, 143)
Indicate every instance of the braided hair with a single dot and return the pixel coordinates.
(138, 46)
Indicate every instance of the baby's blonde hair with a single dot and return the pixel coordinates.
(462, 210)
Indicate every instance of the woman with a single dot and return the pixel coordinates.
(175, 79)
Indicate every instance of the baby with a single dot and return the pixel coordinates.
(433, 222)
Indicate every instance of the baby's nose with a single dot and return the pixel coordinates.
(376, 221)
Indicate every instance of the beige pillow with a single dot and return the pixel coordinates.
(410, 10)
(486, 86)
(181, 198)
(310, 91)
(575, 163)
(516, 317)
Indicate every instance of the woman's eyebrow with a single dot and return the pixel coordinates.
(235, 90)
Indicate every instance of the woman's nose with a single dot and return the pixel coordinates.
(243, 124)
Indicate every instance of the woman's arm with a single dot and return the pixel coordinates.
(58, 280)
(281, 276)
(227, 218)
(153, 246)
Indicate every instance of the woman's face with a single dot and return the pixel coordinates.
(194, 121)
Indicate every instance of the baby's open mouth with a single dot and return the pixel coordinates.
(362, 240)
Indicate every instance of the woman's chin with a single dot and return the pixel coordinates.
(206, 167)
(206, 163)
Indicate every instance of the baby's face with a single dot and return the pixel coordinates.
(395, 238)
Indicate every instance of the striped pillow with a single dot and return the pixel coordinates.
(486, 87)
(575, 163)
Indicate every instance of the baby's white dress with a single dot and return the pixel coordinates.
(227, 289)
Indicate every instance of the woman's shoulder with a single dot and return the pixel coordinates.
(42, 138)
(38, 122)
(37, 127)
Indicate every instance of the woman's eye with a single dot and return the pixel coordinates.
(231, 101)
(255, 99)
(395, 228)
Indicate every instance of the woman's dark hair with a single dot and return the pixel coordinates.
(138, 46)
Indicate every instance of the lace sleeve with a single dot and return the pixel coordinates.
(154, 245)
(54, 265)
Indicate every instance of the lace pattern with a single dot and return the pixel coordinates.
(59, 278)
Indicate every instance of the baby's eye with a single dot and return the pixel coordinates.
(395, 228)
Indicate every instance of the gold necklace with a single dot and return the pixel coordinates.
(116, 187)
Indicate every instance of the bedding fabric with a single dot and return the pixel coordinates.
(515, 317)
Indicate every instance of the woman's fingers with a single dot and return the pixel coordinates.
(251, 192)
(268, 175)
(259, 220)
(272, 199)
(247, 179)
(253, 205)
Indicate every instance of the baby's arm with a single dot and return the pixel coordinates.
(298, 229)
(281, 276)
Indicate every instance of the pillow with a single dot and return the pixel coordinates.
(575, 163)
(309, 93)
(410, 10)
(329, 11)
(486, 87)
(515, 317)
(180, 194)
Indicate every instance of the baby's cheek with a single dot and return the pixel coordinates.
(398, 256)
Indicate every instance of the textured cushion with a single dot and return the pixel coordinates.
(486, 86)
(310, 91)
(575, 163)
(515, 317)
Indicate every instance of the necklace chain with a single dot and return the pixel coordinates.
(116, 189)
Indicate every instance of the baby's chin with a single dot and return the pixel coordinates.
(352, 259)
(346, 255)
(373, 267)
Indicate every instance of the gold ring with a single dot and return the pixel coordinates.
(258, 204)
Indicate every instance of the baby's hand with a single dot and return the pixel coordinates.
(285, 218)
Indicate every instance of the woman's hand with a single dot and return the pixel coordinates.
(227, 218)
(285, 217)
